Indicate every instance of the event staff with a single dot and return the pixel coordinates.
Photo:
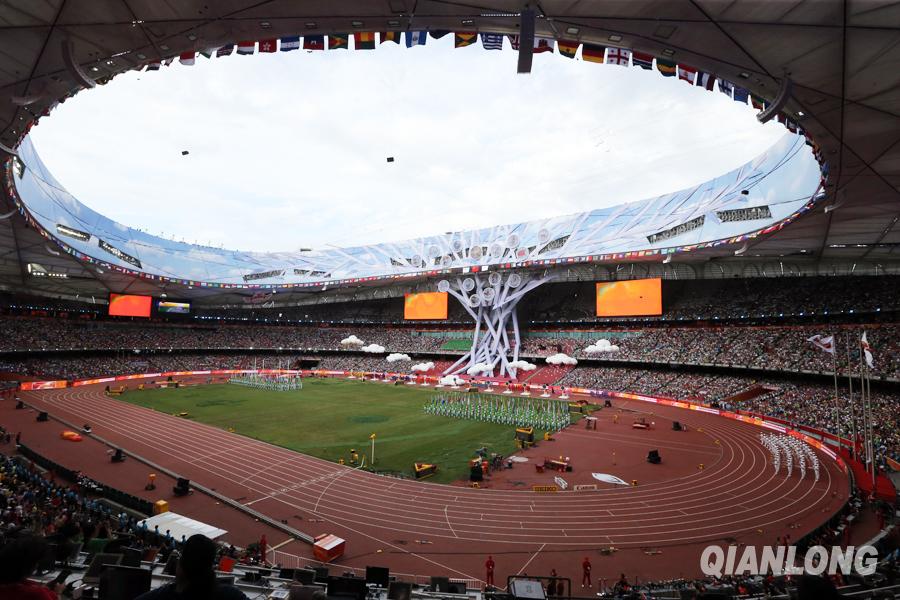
(489, 570)
(586, 572)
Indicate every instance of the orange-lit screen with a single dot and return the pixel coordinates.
(124, 305)
(629, 298)
(428, 305)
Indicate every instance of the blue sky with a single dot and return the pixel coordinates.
(289, 150)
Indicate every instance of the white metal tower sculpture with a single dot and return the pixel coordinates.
(491, 302)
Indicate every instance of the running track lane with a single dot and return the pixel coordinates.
(737, 493)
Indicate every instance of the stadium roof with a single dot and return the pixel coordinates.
(840, 55)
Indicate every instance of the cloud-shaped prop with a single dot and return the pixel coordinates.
(601, 346)
(522, 365)
(561, 359)
(395, 357)
(452, 380)
(352, 341)
(373, 349)
(425, 366)
(479, 369)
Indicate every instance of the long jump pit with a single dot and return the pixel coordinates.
(715, 484)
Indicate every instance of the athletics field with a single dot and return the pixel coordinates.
(328, 417)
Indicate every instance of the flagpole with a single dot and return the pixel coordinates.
(871, 423)
(852, 405)
(862, 397)
(837, 405)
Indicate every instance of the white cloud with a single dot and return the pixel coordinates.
(479, 369)
(451, 380)
(275, 139)
(352, 340)
(425, 366)
(522, 365)
(601, 346)
(373, 349)
(396, 357)
(561, 359)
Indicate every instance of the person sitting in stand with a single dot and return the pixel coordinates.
(19, 558)
(195, 577)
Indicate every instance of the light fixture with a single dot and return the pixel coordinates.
(192, 37)
(265, 24)
(615, 38)
(801, 114)
(744, 75)
(310, 25)
(668, 52)
(141, 55)
(394, 23)
(572, 30)
(356, 24)
(468, 21)
(163, 47)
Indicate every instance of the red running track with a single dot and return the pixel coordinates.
(427, 528)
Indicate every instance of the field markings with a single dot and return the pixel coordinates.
(447, 516)
(533, 556)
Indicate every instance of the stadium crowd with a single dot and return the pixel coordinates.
(36, 510)
(777, 348)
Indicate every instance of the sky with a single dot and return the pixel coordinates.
(289, 150)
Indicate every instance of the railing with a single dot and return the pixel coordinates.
(99, 489)
(293, 561)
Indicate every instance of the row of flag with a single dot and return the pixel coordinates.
(595, 53)
(826, 344)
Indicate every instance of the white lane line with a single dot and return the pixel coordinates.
(533, 556)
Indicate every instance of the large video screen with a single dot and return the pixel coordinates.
(640, 297)
(127, 305)
(427, 305)
(173, 308)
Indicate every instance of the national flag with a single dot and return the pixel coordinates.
(867, 350)
(543, 45)
(618, 56)
(268, 46)
(314, 42)
(514, 41)
(154, 66)
(741, 94)
(593, 53)
(187, 58)
(291, 42)
(666, 67)
(825, 344)
(416, 38)
(492, 41)
(225, 50)
(390, 36)
(338, 41)
(364, 40)
(461, 39)
(568, 48)
(706, 80)
(208, 52)
(757, 102)
(438, 33)
(726, 87)
(246, 47)
(686, 73)
(644, 61)
(170, 60)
